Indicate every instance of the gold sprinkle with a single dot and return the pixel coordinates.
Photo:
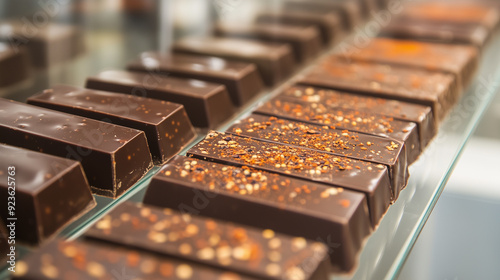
(50, 271)
(273, 269)
(192, 229)
(95, 270)
(274, 256)
(157, 237)
(184, 271)
(274, 243)
(185, 249)
(21, 268)
(125, 217)
(241, 253)
(295, 273)
(206, 253)
(70, 251)
(148, 266)
(268, 234)
(298, 243)
(145, 212)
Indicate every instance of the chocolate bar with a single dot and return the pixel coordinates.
(49, 193)
(274, 61)
(455, 13)
(352, 120)
(439, 32)
(231, 193)
(257, 253)
(13, 64)
(83, 259)
(207, 104)
(460, 60)
(47, 44)
(241, 79)
(166, 125)
(324, 100)
(348, 11)
(438, 90)
(113, 157)
(380, 150)
(328, 23)
(368, 178)
(305, 41)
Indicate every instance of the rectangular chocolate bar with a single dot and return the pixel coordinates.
(241, 79)
(456, 13)
(49, 191)
(166, 125)
(348, 11)
(380, 150)
(368, 178)
(353, 120)
(325, 99)
(305, 41)
(113, 157)
(438, 32)
(438, 90)
(46, 43)
(260, 199)
(13, 65)
(460, 60)
(243, 250)
(328, 23)
(84, 259)
(274, 61)
(207, 104)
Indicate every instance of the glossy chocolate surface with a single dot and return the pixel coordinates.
(348, 11)
(207, 104)
(328, 23)
(455, 13)
(261, 199)
(47, 44)
(305, 41)
(241, 79)
(113, 157)
(83, 259)
(49, 192)
(438, 90)
(325, 99)
(275, 61)
(389, 152)
(459, 60)
(353, 120)
(368, 178)
(13, 65)
(222, 245)
(439, 32)
(166, 125)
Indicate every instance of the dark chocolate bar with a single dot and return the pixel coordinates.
(328, 23)
(368, 178)
(231, 193)
(460, 60)
(353, 120)
(47, 44)
(325, 99)
(166, 125)
(257, 253)
(48, 191)
(439, 32)
(13, 65)
(348, 11)
(241, 79)
(274, 61)
(438, 90)
(455, 13)
(113, 157)
(380, 150)
(207, 104)
(84, 259)
(305, 41)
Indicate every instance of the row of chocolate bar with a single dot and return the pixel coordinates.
(323, 160)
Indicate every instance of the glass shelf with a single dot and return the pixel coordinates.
(386, 250)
